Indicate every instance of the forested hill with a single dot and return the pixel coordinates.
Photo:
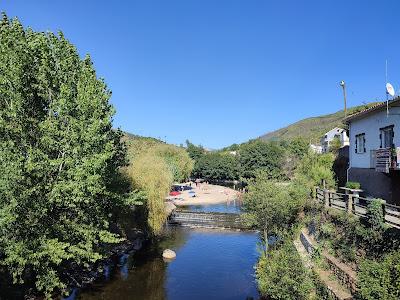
(313, 128)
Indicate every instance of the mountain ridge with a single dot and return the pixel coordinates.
(313, 128)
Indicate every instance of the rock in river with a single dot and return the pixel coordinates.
(169, 254)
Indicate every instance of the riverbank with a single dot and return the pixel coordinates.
(206, 194)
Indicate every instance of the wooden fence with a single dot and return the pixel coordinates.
(354, 204)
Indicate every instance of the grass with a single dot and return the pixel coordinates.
(312, 129)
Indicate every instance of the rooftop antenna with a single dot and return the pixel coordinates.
(389, 91)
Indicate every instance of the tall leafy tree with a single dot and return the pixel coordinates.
(217, 166)
(195, 152)
(258, 155)
(59, 157)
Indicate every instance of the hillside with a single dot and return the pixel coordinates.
(312, 129)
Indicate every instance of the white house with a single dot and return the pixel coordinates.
(336, 132)
(374, 141)
(316, 148)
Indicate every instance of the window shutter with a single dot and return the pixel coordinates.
(380, 137)
(365, 150)
(355, 150)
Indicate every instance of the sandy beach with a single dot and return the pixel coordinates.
(205, 194)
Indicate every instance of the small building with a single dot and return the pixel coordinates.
(336, 132)
(374, 153)
(316, 148)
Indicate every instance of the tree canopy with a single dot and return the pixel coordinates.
(217, 166)
(59, 156)
(153, 167)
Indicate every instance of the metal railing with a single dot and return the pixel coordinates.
(354, 204)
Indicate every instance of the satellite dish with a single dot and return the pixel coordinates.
(389, 89)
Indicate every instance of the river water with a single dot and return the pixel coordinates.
(210, 264)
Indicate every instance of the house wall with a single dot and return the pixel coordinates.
(378, 184)
(329, 136)
(374, 184)
(370, 126)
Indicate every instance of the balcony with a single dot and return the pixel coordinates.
(387, 159)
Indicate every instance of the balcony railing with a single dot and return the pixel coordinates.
(383, 161)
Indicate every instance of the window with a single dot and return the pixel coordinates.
(386, 136)
(360, 143)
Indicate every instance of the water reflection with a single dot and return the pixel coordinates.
(210, 264)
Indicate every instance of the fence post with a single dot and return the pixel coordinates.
(349, 203)
(326, 198)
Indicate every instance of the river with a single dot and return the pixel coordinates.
(210, 264)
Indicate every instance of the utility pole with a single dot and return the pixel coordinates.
(343, 85)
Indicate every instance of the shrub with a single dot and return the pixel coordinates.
(313, 168)
(281, 274)
(271, 206)
(380, 279)
(353, 185)
(375, 215)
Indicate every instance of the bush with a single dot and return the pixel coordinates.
(281, 274)
(313, 168)
(271, 206)
(380, 279)
(353, 185)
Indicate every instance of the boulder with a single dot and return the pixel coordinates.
(169, 254)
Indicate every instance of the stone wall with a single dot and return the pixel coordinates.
(344, 274)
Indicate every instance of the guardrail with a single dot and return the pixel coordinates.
(354, 204)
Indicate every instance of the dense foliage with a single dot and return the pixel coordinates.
(150, 173)
(276, 159)
(271, 206)
(259, 155)
(59, 157)
(380, 279)
(281, 275)
(314, 168)
(195, 152)
(153, 168)
(275, 208)
(217, 166)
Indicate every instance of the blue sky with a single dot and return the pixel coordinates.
(221, 72)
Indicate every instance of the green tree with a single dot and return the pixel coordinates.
(298, 147)
(153, 167)
(313, 168)
(59, 157)
(281, 274)
(258, 155)
(195, 152)
(335, 145)
(272, 207)
(217, 166)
